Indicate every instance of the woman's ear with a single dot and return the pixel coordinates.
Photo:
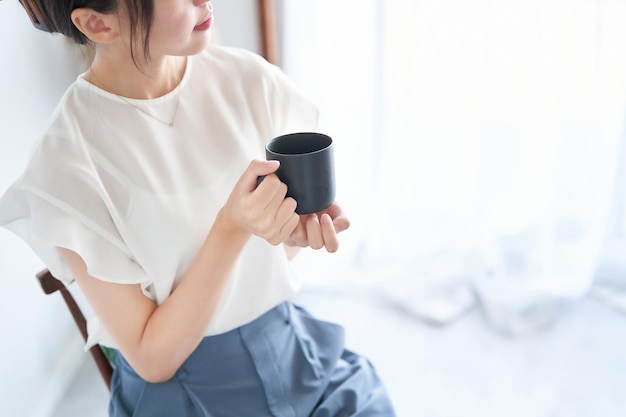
(99, 27)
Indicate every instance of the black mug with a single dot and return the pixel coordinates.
(306, 167)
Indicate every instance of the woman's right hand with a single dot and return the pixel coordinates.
(261, 210)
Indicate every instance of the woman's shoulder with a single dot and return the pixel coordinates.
(61, 142)
(234, 60)
(73, 111)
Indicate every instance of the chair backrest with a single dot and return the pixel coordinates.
(268, 30)
(49, 285)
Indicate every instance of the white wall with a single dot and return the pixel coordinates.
(40, 347)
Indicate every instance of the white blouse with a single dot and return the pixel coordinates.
(135, 197)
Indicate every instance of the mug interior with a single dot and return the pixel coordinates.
(299, 143)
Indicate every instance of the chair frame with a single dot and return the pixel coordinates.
(269, 30)
(50, 285)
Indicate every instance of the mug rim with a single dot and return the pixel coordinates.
(283, 137)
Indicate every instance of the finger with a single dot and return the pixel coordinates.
(278, 222)
(257, 168)
(260, 207)
(269, 219)
(290, 226)
(271, 195)
(314, 232)
(285, 230)
(328, 232)
(285, 212)
(298, 236)
(341, 223)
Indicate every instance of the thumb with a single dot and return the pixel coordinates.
(256, 169)
(259, 168)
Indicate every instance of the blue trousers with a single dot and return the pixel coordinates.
(286, 363)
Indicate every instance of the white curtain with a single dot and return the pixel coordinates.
(477, 144)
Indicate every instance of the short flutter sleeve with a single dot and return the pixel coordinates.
(272, 91)
(291, 110)
(59, 202)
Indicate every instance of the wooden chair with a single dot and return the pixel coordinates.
(268, 30)
(50, 285)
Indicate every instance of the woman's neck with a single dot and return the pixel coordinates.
(122, 77)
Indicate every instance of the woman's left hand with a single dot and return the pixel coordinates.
(320, 230)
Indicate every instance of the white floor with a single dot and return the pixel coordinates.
(575, 369)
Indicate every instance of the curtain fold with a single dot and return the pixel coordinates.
(477, 145)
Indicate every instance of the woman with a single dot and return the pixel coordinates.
(144, 191)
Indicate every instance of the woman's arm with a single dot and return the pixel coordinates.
(156, 340)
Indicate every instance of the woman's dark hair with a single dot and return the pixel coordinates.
(58, 14)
